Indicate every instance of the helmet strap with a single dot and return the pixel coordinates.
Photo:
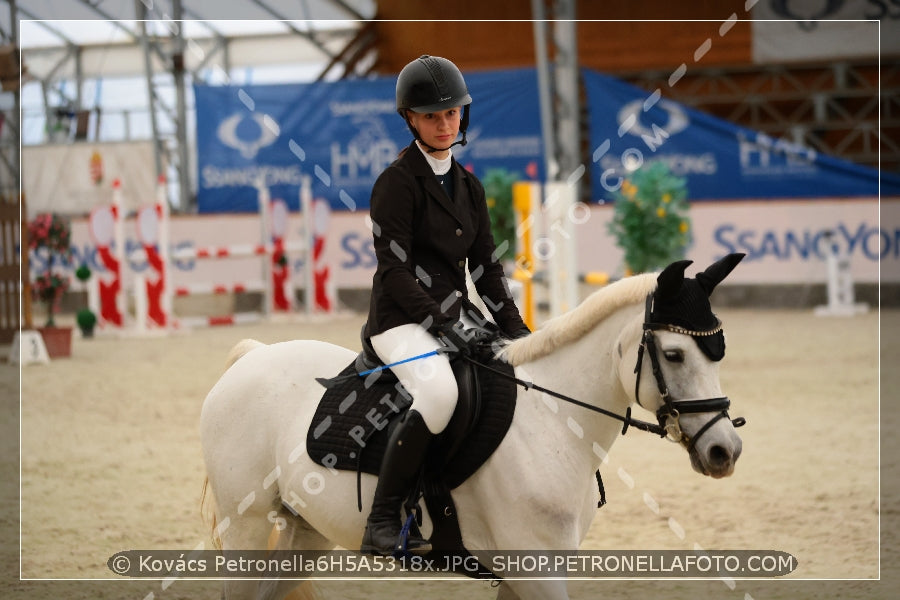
(463, 126)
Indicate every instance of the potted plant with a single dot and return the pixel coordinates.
(83, 273)
(498, 191)
(49, 238)
(86, 320)
(650, 221)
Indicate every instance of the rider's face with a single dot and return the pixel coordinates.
(437, 129)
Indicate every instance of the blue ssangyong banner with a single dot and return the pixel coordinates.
(343, 134)
(721, 161)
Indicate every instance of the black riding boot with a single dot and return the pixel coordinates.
(399, 470)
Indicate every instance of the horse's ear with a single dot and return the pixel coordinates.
(716, 272)
(668, 283)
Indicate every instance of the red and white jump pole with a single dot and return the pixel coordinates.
(273, 218)
(154, 290)
(318, 289)
(153, 300)
(105, 297)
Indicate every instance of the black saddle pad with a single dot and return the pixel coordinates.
(349, 430)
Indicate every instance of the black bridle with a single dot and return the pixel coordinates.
(670, 412)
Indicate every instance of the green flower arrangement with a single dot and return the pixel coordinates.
(651, 223)
(498, 191)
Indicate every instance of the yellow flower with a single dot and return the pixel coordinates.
(629, 189)
(491, 202)
(683, 227)
(667, 197)
(660, 212)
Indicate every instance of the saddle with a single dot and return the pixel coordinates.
(352, 423)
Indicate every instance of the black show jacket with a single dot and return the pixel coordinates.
(422, 242)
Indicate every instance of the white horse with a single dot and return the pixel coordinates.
(255, 420)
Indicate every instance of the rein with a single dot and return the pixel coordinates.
(668, 415)
(626, 419)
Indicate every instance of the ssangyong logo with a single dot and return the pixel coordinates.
(677, 119)
(248, 133)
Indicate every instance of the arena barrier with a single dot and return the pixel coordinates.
(839, 284)
(153, 290)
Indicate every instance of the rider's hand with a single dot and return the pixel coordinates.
(458, 339)
(519, 333)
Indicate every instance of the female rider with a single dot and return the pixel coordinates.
(430, 221)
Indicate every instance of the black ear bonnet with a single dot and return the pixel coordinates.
(684, 303)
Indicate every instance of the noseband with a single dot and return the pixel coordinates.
(670, 412)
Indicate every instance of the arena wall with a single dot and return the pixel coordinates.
(784, 241)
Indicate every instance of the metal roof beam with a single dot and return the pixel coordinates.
(70, 52)
(177, 69)
(46, 26)
(286, 23)
(220, 44)
(139, 39)
(159, 148)
(115, 22)
(349, 10)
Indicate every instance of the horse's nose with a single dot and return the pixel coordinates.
(719, 456)
(721, 459)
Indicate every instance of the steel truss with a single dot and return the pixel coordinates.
(165, 70)
(10, 103)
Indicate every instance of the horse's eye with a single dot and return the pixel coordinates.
(675, 356)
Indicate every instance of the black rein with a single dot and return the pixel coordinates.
(671, 409)
(626, 420)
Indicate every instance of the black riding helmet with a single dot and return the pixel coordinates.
(431, 84)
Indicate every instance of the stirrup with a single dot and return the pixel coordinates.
(407, 545)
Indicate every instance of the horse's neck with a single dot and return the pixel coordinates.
(586, 370)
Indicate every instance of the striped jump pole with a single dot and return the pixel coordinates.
(318, 292)
(105, 225)
(232, 251)
(153, 300)
(280, 268)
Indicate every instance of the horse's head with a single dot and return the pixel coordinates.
(677, 370)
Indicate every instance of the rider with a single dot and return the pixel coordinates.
(429, 217)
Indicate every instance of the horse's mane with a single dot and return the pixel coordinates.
(571, 326)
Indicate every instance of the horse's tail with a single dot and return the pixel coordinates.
(207, 501)
(240, 349)
(208, 513)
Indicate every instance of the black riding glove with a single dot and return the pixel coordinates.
(458, 339)
(519, 333)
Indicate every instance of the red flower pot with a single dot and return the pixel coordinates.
(57, 340)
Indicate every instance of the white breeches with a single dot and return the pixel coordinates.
(430, 380)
